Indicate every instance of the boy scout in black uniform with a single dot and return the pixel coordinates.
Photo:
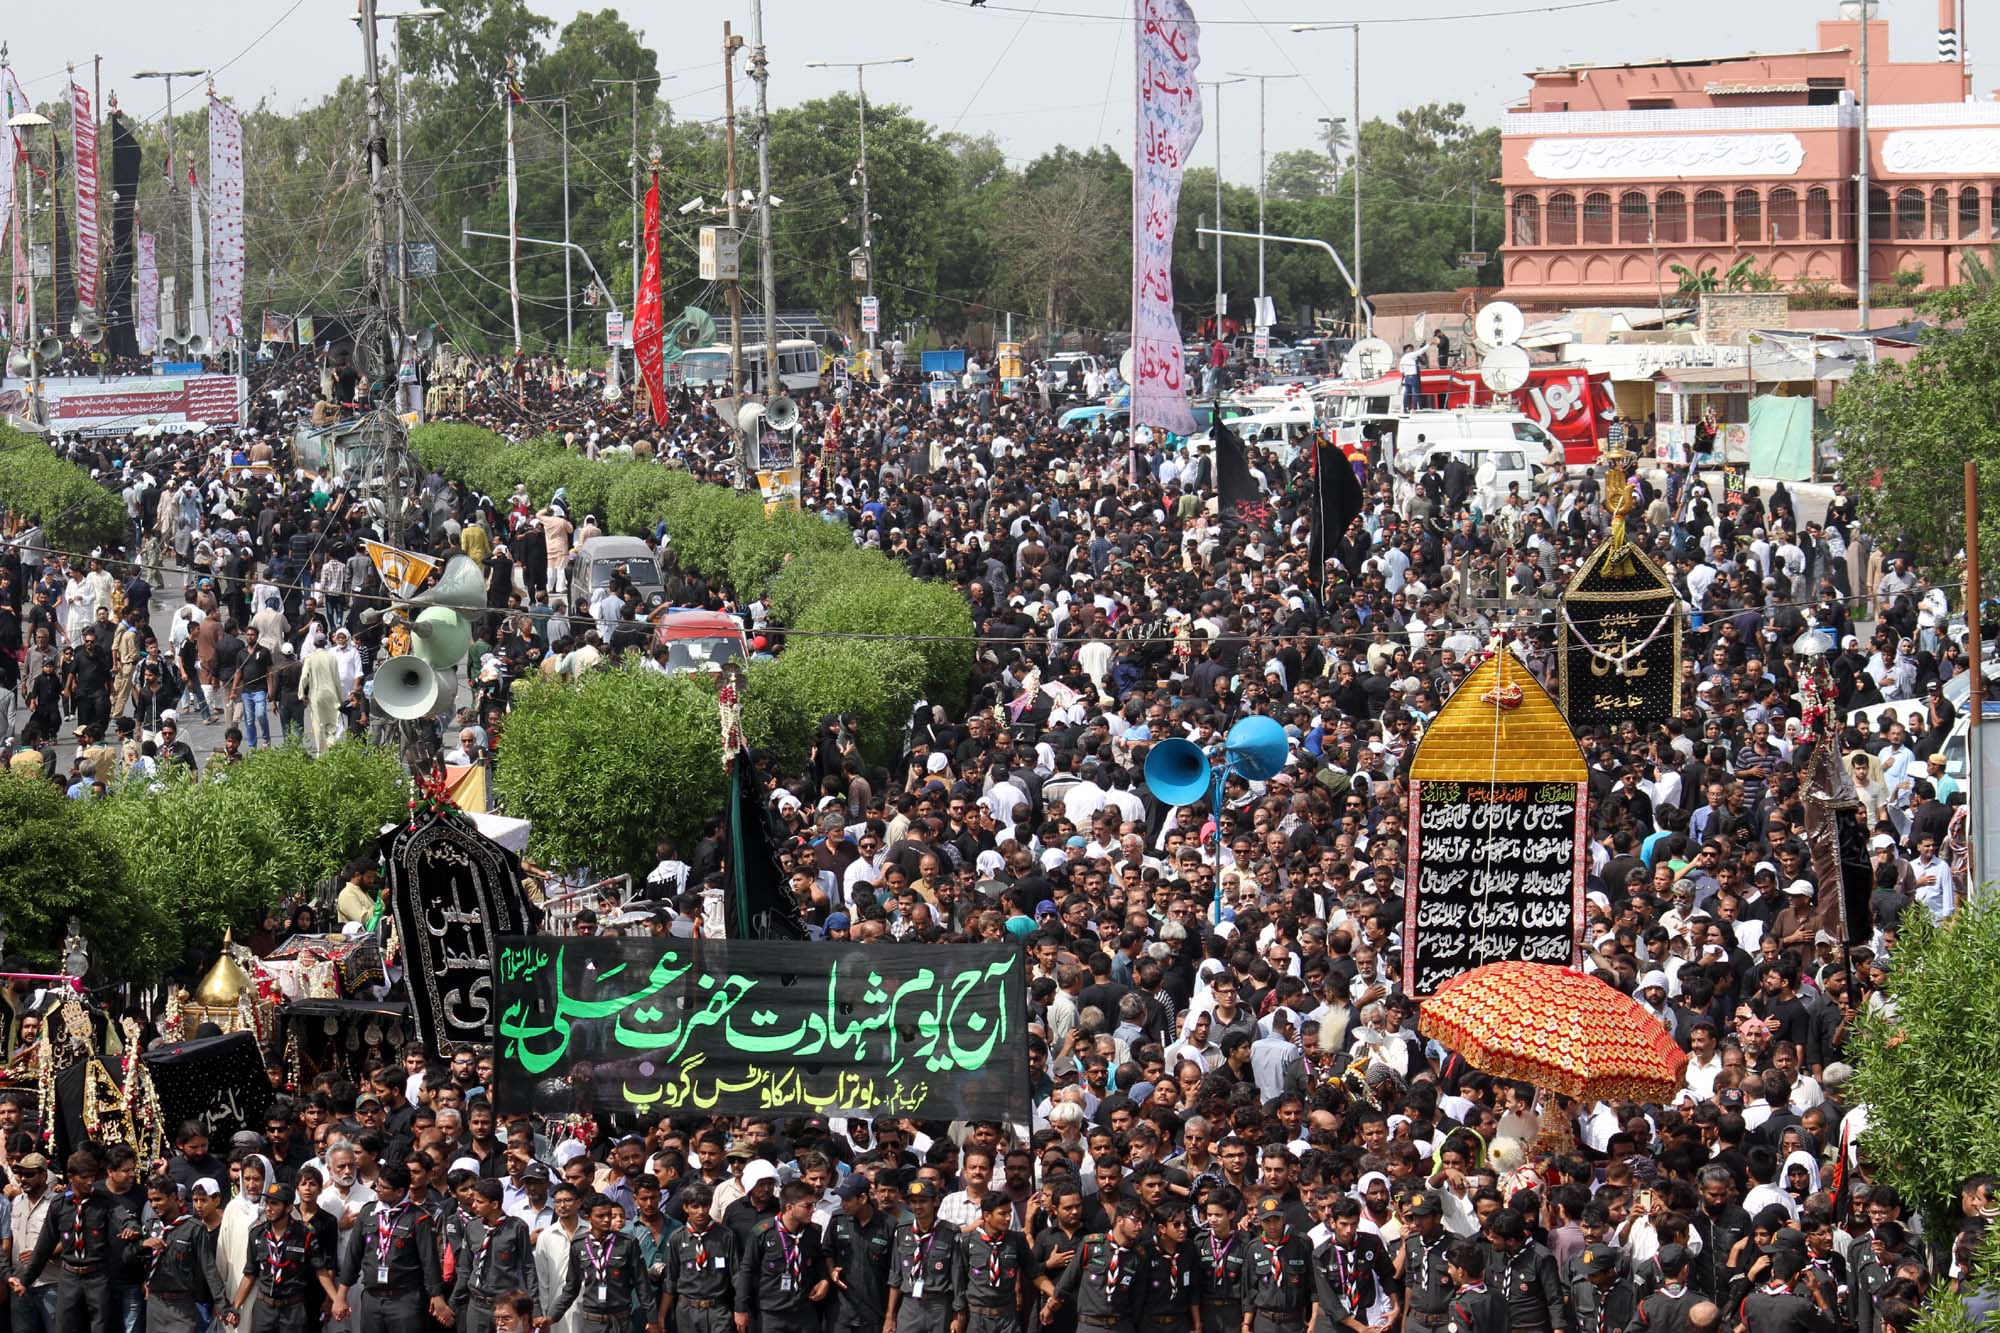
(991, 1281)
(1423, 1265)
(392, 1257)
(80, 1224)
(607, 1276)
(1222, 1250)
(1666, 1310)
(503, 1260)
(1524, 1273)
(1474, 1307)
(1277, 1274)
(1775, 1307)
(858, 1239)
(783, 1276)
(1170, 1292)
(1603, 1302)
(283, 1264)
(180, 1272)
(1350, 1269)
(1103, 1280)
(698, 1290)
(920, 1267)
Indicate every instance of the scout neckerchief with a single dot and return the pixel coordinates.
(485, 1244)
(1349, 1282)
(923, 1240)
(274, 1254)
(700, 1247)
(993, 1244)
(385, 1229)
(789, 1245)
(600, 1260)
(1113, 1256)
(78, 1246)
(1218, 1253)
(166, 1236)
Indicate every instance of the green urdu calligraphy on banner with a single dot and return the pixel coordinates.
(743, 1027)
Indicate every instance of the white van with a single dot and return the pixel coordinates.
(1502, 448)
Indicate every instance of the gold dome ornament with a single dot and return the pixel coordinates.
(224, 982)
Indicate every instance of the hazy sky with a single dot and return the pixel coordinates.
(1034, 73)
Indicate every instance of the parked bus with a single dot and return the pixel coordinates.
(708, 367)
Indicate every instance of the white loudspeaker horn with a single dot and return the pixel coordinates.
(20, 363)
(443, 636)
(49, 348)
(197, 345)
(426, 340)
(462, 588)
(406, 688)
(87, 327)
(781, 413)
(170, 346)
(748, 415)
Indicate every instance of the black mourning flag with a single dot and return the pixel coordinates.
(1237, 494)
(120, 338)
(1337, 499)
(452, 893)
(219, 1081)
(759, 903)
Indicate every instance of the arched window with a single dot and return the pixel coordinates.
(1784, 210)
(1909, 215)
(1597, 219)
(1968, 213)
(1635, 219)
(1670, 217)
(1562, 219)
(1880, 221)
(1819, 214)
(1711, 217)
(1749, 217)
(1527, 220)
(1940, 214)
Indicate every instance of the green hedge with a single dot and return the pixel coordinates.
(77, 513)
(587, 762)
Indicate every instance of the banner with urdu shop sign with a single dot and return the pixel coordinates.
(740, 1027)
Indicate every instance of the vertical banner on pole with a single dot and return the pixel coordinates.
(146, 296)
(197, 296)
(1167, 122)
(648, 337)
(83, 140)
(225, 218)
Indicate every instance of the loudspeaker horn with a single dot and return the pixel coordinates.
(1176, 771)
(748, 415)
(87, 327)
(1257, 748)
(406, 688)
(701, 324)
(197, 345)
(426, 340)
(20, 363)
(443, 636)
(461, 588)
(170, 346)
(781, 413)
(49, 347)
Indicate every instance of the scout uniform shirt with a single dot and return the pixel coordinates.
(920, 1267)
(1425, 1281)
(605, 1277)
(286, 1265)
(84, 1228)
(1776, 1308)
(860, 1251)
(991, 1278)
(698, 1278)
(1172, 1287)
(1103, 1281)
(393, 1253)
(1343, 1284)
(1476, 1308)
(502, 1261)
(1277, 1281)
(179, 1274)
(1666, 1310)
(779, 1271)
(1222, 1280)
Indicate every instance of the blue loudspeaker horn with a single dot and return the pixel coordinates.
(1177, 772)
(1257, 748)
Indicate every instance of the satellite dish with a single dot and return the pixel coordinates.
(1125, 365)
(1499, 324)
(1421, 330)
(1504, 369)
(1372, 357)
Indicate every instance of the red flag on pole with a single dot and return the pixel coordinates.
(648, 341)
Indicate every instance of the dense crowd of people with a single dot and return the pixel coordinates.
(1237, 1127)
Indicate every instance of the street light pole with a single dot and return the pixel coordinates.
(1353, 158)
(635, 164)
(860, 68)
(1220, 295)
(760, 70)
(1262, 79)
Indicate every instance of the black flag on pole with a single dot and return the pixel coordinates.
(1337, 499)
(1238, 498)
(759, 903)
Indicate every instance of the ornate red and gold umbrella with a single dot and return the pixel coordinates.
(1561, 1030)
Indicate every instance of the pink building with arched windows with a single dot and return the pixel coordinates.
(1615, 173)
